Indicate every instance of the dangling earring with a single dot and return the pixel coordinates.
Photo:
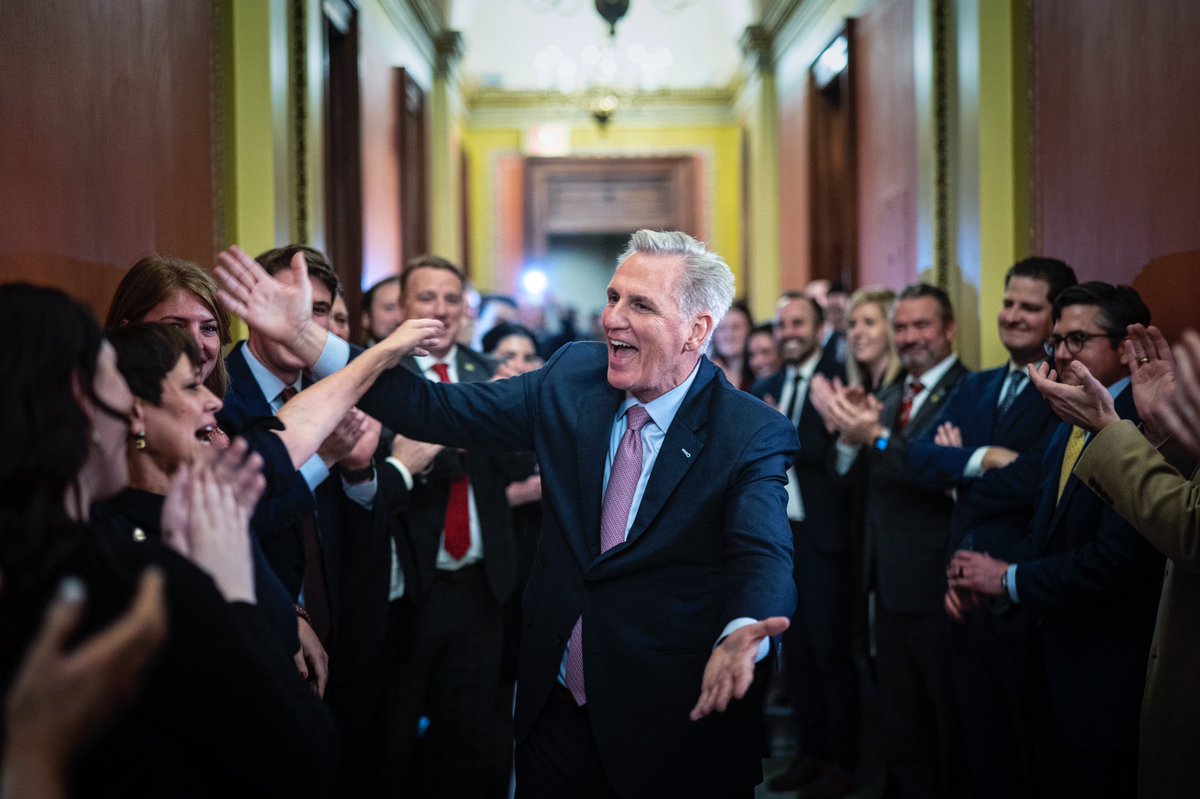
(139, 439)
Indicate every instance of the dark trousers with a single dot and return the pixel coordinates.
(559, 759)
(919, 721)
(991, 665)
(449, 673)
(822, 682)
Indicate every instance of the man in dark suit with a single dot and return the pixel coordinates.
(327, 538)
(822, 683)
(994, 416)
(460, 530)
(906, 529)
(1086, 577)
(665, 557)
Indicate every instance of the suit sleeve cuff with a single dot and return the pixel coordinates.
(404, 473)
(846, 455)
(764, 646)
(361, 494)
(974, 467)
(1012, 584)
(334, 356)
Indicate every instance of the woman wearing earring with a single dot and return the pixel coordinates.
(221, 712)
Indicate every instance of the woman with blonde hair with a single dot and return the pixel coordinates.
(873, 362)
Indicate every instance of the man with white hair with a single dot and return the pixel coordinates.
(665, 560)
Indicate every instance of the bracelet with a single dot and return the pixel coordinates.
(303, 614)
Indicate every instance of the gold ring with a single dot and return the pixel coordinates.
(1142, 361)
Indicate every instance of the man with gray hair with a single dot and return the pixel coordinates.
(665, 559)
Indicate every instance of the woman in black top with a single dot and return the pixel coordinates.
(223, 712)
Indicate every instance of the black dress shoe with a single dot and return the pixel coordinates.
(834, 783)
(802, 772)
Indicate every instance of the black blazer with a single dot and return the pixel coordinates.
(825, 510)
(489, 474)
(907, 521)
(1093, 584)
(710, 543)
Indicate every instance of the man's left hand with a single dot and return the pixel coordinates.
(730, 668)
(975, 571)
(1089, 405)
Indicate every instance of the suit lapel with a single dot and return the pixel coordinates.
(241, 380)
(932, 405)
(594, 412)
(680, 449)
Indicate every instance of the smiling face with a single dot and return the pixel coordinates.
(922, 338)
(518, 353)
(432, 293)
(179, 426)
(385, 313)
(1025, 318)
(652, 347)
(796, 331)
(1097, 353)
(188, 312)
(868, 335)
(763, 355)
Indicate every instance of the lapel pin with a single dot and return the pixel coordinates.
(686, 454)
(470, 367)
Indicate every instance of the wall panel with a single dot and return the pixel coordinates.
(107, 148)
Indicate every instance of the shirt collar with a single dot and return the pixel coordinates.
(662, 409)
(934, 375)
(270, 385)
(805, 369)
(426, 362)
(1116, 388)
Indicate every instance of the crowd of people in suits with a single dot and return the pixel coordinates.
(293, 565)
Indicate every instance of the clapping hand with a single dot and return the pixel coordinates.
(1152, 376)
(1180, 415)
(1088, 405)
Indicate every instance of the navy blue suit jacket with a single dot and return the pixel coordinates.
(1091, 581)
(1025, 428)
(710, 543)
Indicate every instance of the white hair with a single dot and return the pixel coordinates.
(706, 285)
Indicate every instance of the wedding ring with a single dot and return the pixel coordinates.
(1142, 361)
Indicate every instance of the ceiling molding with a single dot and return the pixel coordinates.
(505, 109)
(424, 21)
(786, 21)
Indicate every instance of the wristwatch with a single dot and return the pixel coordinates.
(881, 442)
(358, 475)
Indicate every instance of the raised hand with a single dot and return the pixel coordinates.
(730, 668)
(219, 540)
(1089, 405)
(1181, 416)
(414, 337)
(855, 417)
(62, 694)
(240, 468)
(1152, 376)
(279, 310)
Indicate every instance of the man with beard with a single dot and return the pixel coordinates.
(817, 652)
(906, 529)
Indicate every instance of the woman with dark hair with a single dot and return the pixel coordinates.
(729, 345)
(222, 711)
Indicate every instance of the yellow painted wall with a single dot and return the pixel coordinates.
(721, 167)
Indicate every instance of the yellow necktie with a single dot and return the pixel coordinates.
(1070, 456)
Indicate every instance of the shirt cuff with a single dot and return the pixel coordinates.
(404, 473)
(314, 471)
(362, 494)
(334, 356)
(764, 646)
(974, 467)
(846, 455)
(1012, 583)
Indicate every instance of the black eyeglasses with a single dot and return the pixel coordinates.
(1075, 341)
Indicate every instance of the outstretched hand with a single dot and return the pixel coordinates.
(278, 310)
(1088, 405)
(414, 337)
(730, 668)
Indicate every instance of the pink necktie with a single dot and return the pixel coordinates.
(614, 517)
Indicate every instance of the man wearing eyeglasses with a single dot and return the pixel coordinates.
(994, 416)
(1082, 573)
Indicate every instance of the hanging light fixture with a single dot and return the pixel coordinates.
(612, 11)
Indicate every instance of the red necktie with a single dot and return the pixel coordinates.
(910, 393)
(458, 514)
(316, 593)
(614, 519)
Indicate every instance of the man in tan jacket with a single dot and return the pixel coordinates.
(1140, 474)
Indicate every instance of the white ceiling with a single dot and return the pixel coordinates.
(561, 44)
